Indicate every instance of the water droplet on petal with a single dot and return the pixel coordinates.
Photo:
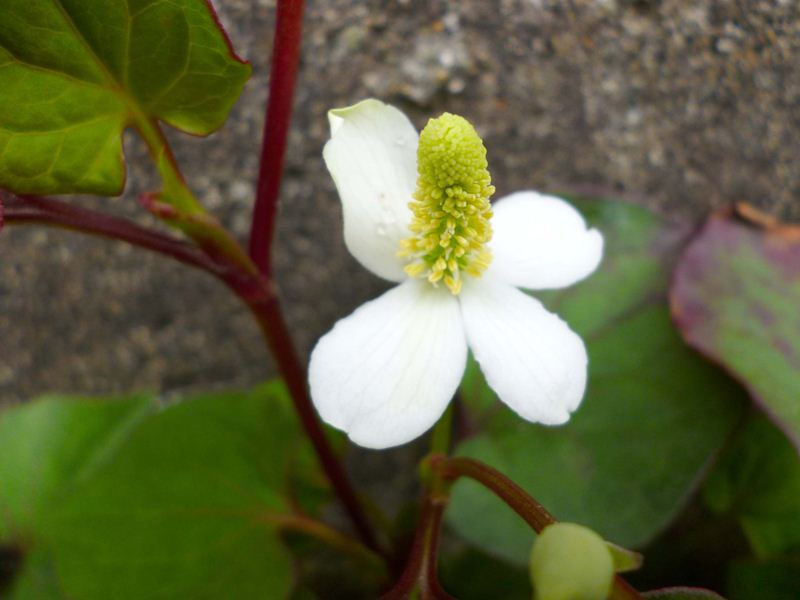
(388, 217)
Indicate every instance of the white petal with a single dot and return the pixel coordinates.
(533, 361)
(541, 242)
(385, 374)
(372, 156)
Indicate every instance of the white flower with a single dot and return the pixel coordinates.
(385, 374)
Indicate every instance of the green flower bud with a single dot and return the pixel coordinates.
(570, 562)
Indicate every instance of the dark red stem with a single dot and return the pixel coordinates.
(46, 211)
(285, 59)
(421, 571)
(518, 499)
(260, 295)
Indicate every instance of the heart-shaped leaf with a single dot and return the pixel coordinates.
(186, 503)
(75, 73)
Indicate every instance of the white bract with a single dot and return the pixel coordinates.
(416, 212)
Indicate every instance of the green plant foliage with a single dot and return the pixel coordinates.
(654, 415)
(758, 481)
(736, 298)
(186, 504)
(51, 445)
(769, 580)
(75, 73)
(469, 574)
(310, 486)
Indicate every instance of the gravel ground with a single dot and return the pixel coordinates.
(683, 106)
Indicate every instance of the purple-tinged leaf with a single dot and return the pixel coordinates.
(736, 298)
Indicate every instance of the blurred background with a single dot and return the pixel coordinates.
(681, 106)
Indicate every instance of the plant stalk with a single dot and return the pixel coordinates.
(442, 432)
(260, 296)
(509, 492)
(30, 209)
(283, 76)
(420, 573)
(330, 536)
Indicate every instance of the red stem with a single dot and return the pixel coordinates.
(285, 59)
(518, 499)
(420, 573)
(259, 294)
(36, 209)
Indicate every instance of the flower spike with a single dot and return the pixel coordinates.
(451, 207)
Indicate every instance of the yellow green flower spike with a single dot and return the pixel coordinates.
(451, 206)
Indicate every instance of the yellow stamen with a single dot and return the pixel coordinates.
(451, 205)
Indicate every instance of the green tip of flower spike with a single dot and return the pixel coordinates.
(451, 209)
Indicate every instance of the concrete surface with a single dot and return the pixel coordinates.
(683, 105)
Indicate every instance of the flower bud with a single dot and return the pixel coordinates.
(570, 562)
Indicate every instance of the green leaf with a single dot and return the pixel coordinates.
(75, 73)
(653, 418)
(50, 445)
(188, 508)
(469, 574)
(771, 580)
(735, 298)
(187, 505)
(758, 481)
